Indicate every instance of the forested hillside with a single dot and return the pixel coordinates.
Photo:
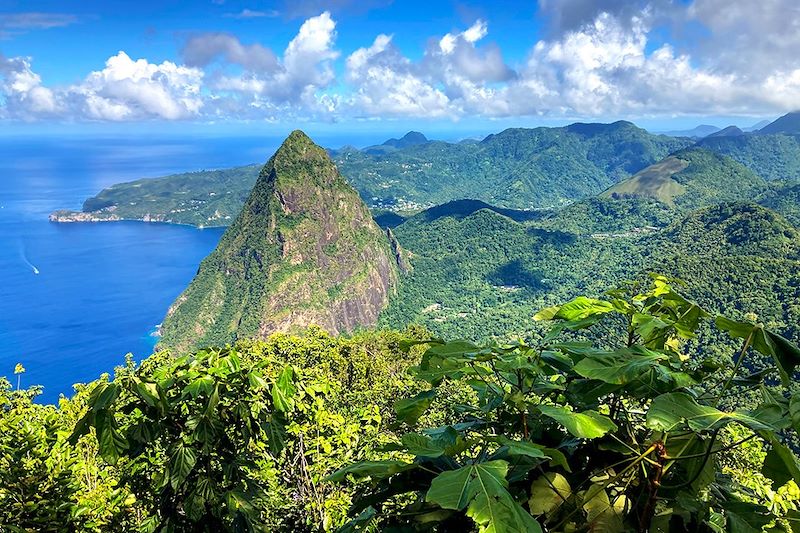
(517, 168)
(484, 275)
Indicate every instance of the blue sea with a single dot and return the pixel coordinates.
(75, 298)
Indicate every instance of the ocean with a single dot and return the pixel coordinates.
(76, 298)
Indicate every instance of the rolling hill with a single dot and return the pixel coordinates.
(691, 178)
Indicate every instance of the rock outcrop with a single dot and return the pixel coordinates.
(304, 250)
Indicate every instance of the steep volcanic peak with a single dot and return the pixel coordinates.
(304, 250)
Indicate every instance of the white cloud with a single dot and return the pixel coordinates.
(386, 83)
(203, 49)
(598, 59)
(252, 14)
(126, 89)
(453, 76)
(25, 96)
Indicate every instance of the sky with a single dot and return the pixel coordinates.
(448, 66)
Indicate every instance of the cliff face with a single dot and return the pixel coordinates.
(304, 250)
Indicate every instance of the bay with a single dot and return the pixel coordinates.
(75, 298)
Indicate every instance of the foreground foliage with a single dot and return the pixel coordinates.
(629, 415)
(623, 434)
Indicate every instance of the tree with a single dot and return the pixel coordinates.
(620, 434)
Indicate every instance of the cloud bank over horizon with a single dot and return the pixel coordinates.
(593, 59)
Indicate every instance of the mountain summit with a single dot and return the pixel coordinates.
(788, 123)
(304, 250)
(412, 138)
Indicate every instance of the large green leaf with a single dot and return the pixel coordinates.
(780, 464)
(482, 489)
(622, 366)
(284, 390)
(785, 353)
(198, 386)
(371, 469)
(181, 464)
(410, 409)
(584, 425)
(422, 445)
(517, 447)
(603, 515)
(581, 308)
(745, 517)
(110, 442)
(548, 492)
(104, 395)
(675, 410)
(794, 411)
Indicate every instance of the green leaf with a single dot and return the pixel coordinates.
(780, 464)
(621, 367)
(360, 522)
(584, 425)
(147, 392)
(110, 442)
(677, 409)
(104, 395)
(409, 410)
(785, 353)
(283, 391)
(745, 517)
(201, 385)
(453, 489)
(371, 469)
(276, 434)
(548, 313)
(548, 492)
(421, 445)
(181, 464)
(794, 411)
(602, 515)
(528, 449)
(482, 489)
(582, 307)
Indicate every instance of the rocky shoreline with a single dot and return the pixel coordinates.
(67, 216)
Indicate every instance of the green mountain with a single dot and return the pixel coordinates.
(304, 250)
(517, 168)
(412, 138)
(485, 275)
(204, 198)
(610, 216)
(773, 157)
(690, 179)
(730, 131)
(788, 123)
(784, 198)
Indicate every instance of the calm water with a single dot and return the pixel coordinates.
(101, 288)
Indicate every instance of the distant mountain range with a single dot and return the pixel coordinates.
(515, 169)
(611, 199)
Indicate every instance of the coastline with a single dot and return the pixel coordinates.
(63, 216)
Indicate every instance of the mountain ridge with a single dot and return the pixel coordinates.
(304, 250)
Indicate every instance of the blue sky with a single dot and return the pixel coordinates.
(467, 67)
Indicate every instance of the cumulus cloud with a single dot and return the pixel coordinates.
(272, 82)
(202, 50)
(453, 76)
(25, 97)
(126, 89)
(599, 59)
